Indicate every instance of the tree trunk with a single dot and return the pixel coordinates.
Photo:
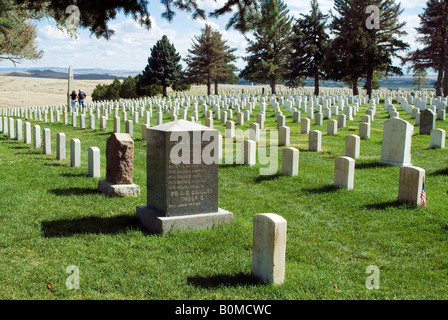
(369, 79)
(438, 84)
(445, 81)
(216, 87)
(209, 85)
(272, 84)
(164, 90)
(316, 84)
(355, 86)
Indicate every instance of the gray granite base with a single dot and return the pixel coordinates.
(118, 190)
(151, 219)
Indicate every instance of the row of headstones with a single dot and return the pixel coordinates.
(426, 121)
(34, 137)
(436, 140)
(226, 102)
(241, 117)
(344, 166)
(304, 91)
(82, 116)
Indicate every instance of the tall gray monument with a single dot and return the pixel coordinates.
(182, 178)
(71, 85)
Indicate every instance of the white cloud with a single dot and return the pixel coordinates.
(412, 3)
(130, 47)
(202, 23)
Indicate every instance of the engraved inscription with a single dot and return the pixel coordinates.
(187, 185)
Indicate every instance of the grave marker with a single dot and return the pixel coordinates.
(182, 170)
(269, 248)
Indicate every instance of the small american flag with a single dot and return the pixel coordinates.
(423, 195)
(42, 144)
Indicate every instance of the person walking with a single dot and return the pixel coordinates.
(81, 97)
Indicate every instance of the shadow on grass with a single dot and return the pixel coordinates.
(442, 172)
(74, 175)
(370, 165)
(226, 280)
(31, 151)
(54, 164)
(73, 192)
(267, 177)
(102, 133)
(90, 225)
(21, 147)
(324, 189)
(388, 204)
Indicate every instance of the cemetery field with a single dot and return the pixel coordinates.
(52, 217)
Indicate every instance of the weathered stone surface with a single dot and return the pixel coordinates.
(269, 248)
(437, 139)
(249, 152)
(182, 185)
(427, 122)
(315, 141)
(60, 146)
(75, 153)
(411, 184)
(283, 136)
(344, 172)
(352, 146)
(151, 219)
(181, 178)
(120, 158)
(290, 162)
(364, 130)
(94, 162)
(118, 190)
(332, 127)
(396, 143)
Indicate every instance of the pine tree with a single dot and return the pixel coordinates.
(357, 51)
(309, 44)
(419, 76)
(17, 34)
(100, 92)
(113, 90)
(96, 15)
(163, 65)
(128, 88)
(269, 50)
(210, 59)
(433, 35)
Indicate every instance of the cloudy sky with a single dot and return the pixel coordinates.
(130, 46)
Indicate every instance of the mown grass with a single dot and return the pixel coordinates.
(51, 217)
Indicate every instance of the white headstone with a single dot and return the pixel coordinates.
(94, 162)
(396, 143)
(269, 248)
(344, 172)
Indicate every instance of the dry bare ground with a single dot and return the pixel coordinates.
(27, 91)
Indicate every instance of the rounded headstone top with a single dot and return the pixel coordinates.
(180, 125)
(121, 136)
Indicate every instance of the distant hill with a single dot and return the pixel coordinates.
(62, 73)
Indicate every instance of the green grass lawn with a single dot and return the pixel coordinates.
(52, 217)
